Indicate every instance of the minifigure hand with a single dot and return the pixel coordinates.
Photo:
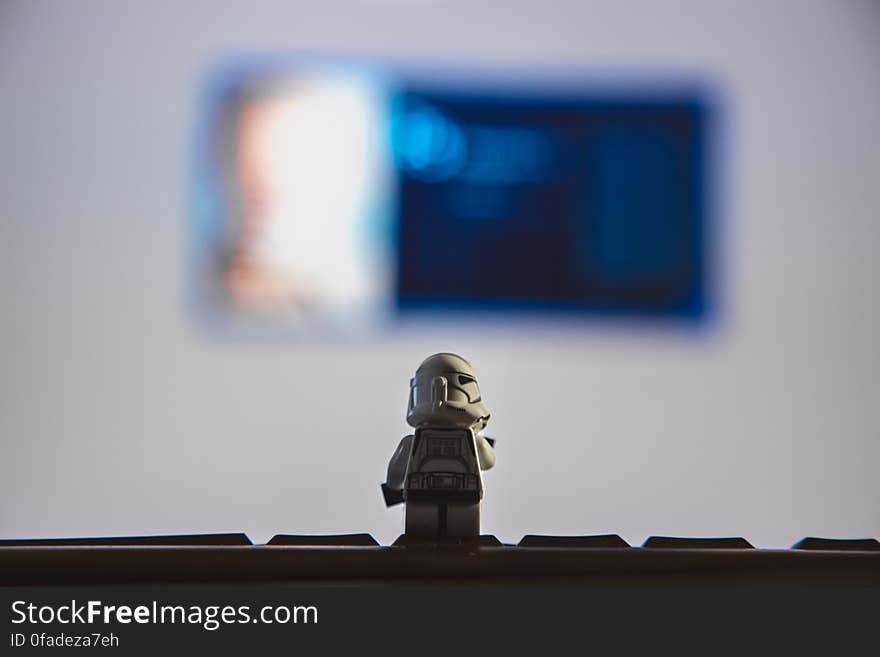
(392, 495)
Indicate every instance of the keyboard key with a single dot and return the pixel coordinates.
(676, 543)
(599, 541)
(318, 540)
(814, 543)
(111, 541)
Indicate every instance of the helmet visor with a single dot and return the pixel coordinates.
(460, 389)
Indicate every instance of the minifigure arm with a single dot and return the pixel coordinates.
(485, 453)
(398, 464)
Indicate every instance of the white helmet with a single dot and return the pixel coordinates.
(444, 392)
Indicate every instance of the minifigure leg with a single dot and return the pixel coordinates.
(463, 520)
(422, 519)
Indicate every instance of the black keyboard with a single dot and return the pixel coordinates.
(605, 560)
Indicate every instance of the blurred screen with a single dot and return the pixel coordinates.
(349, 196)
(539, 202)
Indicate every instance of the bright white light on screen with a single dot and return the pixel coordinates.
(312, 168)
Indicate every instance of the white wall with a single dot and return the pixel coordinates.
(118, 417)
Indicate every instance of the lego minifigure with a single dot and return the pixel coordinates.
(436, 470)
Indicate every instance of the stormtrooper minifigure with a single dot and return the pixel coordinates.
(436, 470)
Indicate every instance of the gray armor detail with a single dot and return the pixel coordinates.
(443, 466)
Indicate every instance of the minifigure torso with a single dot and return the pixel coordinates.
(443, 466)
